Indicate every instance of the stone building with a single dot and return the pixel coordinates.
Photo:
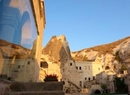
(22, 24)
(49, 68)
(88, 71)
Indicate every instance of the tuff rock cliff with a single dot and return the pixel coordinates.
(57, 50)
(113, 55)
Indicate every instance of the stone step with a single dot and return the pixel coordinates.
(36, 93)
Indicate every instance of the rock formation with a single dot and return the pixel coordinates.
(57, 52)
(111, 54)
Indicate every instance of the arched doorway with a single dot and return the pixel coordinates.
(97, 92)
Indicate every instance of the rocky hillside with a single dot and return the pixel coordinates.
(110, 55)
(114, 56)
(122, 45)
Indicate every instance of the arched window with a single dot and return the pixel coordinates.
(79, 68)
(93, 77)
(80, 83)
(89, 78)
(70, 64)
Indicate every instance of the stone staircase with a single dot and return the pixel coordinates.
(39, 88)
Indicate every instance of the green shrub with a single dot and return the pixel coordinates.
(104, 87)
(121, 87)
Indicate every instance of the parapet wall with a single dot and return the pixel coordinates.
(39, 86)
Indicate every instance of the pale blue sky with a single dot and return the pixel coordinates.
(87, 23)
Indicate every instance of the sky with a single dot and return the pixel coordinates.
(87, 23)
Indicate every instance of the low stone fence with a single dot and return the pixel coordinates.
(36, 86)
(30, 88)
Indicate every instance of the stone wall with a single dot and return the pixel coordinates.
(39, 13)
(38, 86)
(33, 88)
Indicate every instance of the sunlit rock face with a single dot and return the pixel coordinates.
(111, 54)
(57, 52)
(110, 57)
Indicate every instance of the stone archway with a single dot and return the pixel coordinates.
(26, 30)
(97, 91)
